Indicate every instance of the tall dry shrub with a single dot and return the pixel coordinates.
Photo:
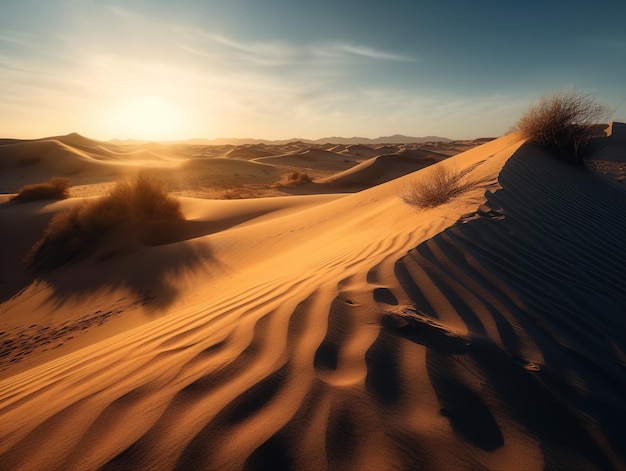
(55, 188)
(72, 234)
(564, 124)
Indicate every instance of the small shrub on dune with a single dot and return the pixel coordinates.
(437, 187)
(564, 124)
(294, 179)
(233, 194)
(56, 188)
(72, 234)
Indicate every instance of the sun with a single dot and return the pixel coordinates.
(150, 117)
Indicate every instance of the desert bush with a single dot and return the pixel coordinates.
(293, 179)
(56, 188)
(144, 198)
(563, 124)
(437, 187)
(233, 194)
(72, 234)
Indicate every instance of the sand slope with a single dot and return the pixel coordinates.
(310, 159)
(375, 171)
(340, 332)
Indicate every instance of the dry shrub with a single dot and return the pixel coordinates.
(57, 188)
(294, 179)
(233, 194)
(74, 233)
(144, 198)
(564, 124)
(441, 184)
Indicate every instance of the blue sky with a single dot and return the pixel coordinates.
(279, 69)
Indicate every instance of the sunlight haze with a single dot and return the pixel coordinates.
(165, 71)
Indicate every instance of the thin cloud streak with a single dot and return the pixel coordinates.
(280, 53)
(370, 53)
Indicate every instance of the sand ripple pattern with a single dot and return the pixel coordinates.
(535, 277)
(497, 344)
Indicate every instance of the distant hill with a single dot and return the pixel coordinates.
(395, 139)
(79, 140)
(76, 139)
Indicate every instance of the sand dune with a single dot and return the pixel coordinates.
(190, 170)
(360, 151)
(613, 148)
(389, 149)
(332, 331)
(222, 165)
(338, 148)
(34, 161)
(609, 155)
(426, 154)
(375, 171)
(76, 140)
(310, 159)
(248, 152)
(28, 162)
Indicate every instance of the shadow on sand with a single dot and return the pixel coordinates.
(141, 270)
(547, 273)
(149, 261)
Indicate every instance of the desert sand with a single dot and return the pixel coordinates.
(325, 326)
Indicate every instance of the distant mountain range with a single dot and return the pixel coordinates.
(80, 140)
(395, 139)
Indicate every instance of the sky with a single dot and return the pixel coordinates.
(280, 69)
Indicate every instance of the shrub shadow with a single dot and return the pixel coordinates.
(150, 269)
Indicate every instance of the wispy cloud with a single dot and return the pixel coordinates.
(364, 51)
(123, 12)
(263, 53)
(267, 48)
(8, 66)
(277, 52)
(15, 37)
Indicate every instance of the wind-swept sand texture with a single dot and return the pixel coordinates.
(334, 332)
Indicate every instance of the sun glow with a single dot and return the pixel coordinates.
(150, 117)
